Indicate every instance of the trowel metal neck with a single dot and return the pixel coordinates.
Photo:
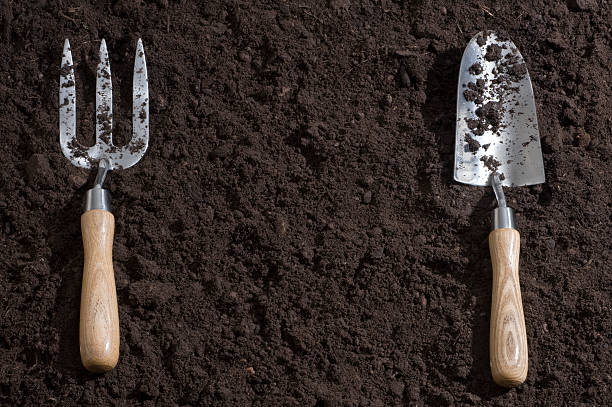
(503, 216)
(98, 197)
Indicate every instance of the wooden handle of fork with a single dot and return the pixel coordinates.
(99, 322)
(508, 338)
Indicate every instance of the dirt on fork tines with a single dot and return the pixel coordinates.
(293, 235)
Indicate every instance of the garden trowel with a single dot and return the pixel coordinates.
(497, 143)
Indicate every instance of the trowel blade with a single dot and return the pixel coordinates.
(497, 125)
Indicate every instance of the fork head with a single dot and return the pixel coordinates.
(103, 149)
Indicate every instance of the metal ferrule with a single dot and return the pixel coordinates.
(97, 198)
(503, 218)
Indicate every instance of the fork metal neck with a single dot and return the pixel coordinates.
(98, 197)
(503, 217)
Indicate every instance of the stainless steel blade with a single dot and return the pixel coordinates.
(497, 125)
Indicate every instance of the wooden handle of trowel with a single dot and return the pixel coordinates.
(508, 339)
(99, 324)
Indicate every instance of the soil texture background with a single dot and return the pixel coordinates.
(293, 235)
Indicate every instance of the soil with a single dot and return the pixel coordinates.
(490, 115)
(472, 143)
(491, 163)
(475, 69)
(293, 235)
(475, 90)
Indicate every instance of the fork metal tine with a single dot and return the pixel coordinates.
(104, 100)
(140, 102)
(67, 102)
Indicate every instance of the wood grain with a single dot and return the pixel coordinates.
(508, 338)
(99, 322)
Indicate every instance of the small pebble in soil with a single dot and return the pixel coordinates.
(280, 225)
(244, 56)
(250, 371)
(583, 139)
(77, 180)
(367, 197)
(389, 100)
(550, 244)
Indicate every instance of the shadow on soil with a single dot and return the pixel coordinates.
(439, 116)
(65, 240)
(478, 278)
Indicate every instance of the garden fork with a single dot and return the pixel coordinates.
(99, 320)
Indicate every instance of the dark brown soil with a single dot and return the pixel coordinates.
(494, 53)
(475, 69)
(490, 114)
(472, 143)
(475, 90)
(490, 162)
(293, 235)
